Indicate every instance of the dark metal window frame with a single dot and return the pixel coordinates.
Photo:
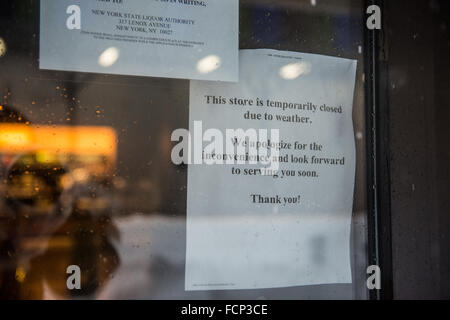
(378, 177)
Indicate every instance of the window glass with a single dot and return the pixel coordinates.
(118, 209)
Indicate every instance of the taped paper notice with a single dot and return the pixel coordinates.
(173, 39)
(250, 226)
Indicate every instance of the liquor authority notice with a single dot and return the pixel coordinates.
(173, 39)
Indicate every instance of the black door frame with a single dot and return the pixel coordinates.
(378, 175)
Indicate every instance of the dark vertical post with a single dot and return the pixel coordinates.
(378, 181)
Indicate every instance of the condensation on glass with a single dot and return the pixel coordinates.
(86, 177)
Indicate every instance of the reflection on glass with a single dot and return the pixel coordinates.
(2, 47)
(68, 192)
(209, 64)
(294, 70)
(56, 197)
(109, 57)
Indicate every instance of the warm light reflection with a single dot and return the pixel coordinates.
(48, 140)
(294, 70)
(2, 48)
(80, 175)
(209, 64)
(16, 138)
(109, 57)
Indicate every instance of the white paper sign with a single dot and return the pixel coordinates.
(246, 230)
(162, 38)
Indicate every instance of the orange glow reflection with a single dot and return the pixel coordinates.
(18, 138)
